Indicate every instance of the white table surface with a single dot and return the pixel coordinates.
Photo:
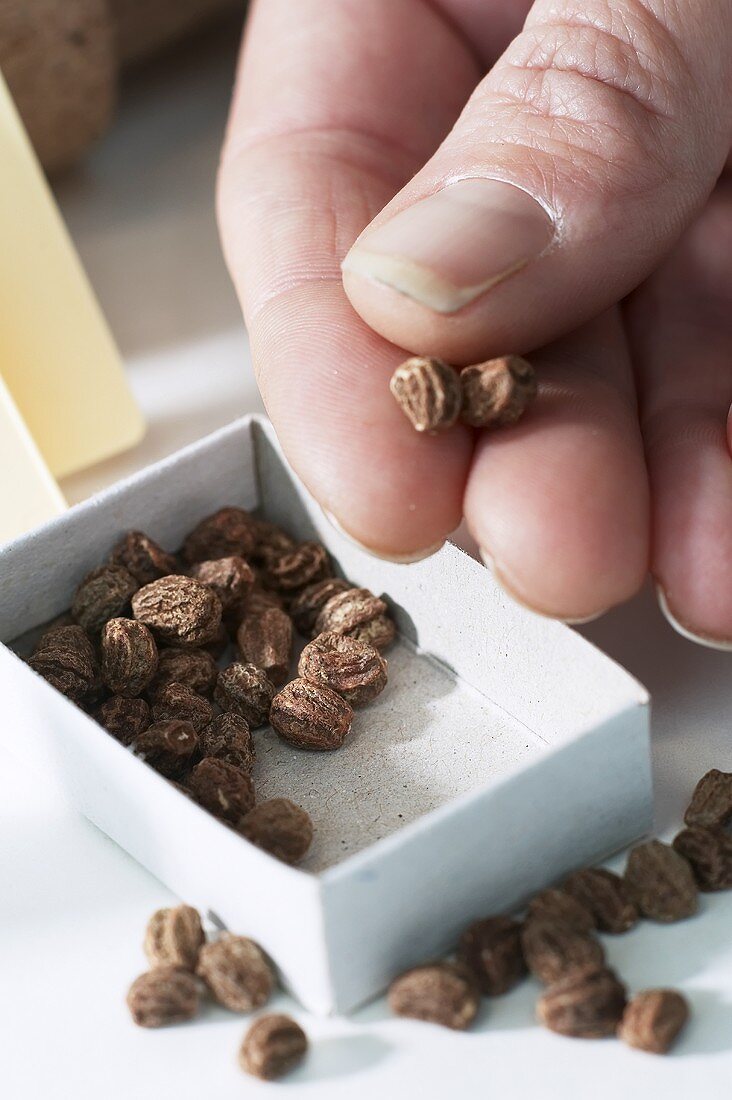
(73, 905)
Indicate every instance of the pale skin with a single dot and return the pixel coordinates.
(616, 117)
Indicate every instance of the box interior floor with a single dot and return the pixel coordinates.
(428, 738)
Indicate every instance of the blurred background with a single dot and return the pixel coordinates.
(125, 102)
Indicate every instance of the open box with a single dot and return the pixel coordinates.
(505, 751)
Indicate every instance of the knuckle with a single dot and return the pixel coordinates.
(594, 82)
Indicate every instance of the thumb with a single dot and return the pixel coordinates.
(576, 163)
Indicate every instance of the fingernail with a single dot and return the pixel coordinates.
(701, 639)
(398, 559)
(448, 249)
(490, 563)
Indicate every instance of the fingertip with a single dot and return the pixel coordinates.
(691, 475)
(473, 333)
(691, 635)
(414, 276)
(567, 539)
(398, 557)
(511, 590)
(326, 386)
(566, 590)
(560, 501)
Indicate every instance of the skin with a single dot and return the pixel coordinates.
(617, 116)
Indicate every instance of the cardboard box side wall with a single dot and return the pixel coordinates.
(41, 570)
(196, 856)
(486, 853)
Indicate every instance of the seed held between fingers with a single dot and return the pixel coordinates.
(428, 393)
(497, 392)
(433, 396)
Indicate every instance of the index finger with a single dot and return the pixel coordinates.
(329, 120)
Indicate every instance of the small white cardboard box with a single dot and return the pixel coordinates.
(505, 751)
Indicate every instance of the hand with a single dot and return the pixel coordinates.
(507, 212)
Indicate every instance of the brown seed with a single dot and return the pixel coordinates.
(497, 392)
(61, 621)
(439, 993)
(219, 644)
(221, 788)
(262, 599)
(143, 558)
(178, 702)
(270, 539)
(124, 718)
(62, 630)
(490, 950)
(230, 532)
(279, 827)
(556, 905)
(289, 570)
(273, 1046)
(265, 640)
(586, 1004)
(129, 656)
(65, 658)
(653, 1020)
(97, 695)
(309, 601)
(174, 937)
(231, 580)
(236, 972)
(168, 747)
(553, 949)
(711, 802)
(165, 995)
(180, 610)
(227, 737)
(661, 882)
(104, 594)
(709, 851)
(353, 669)
(358, 614)
(310, 716)
(428, 393)
(194, 667)
(245, 690)
(606, 896)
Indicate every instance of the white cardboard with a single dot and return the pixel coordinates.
(505, 751)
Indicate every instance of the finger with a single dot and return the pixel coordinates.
(330, 117)
(575, 165)
(681, 327)
(559, 503)
(489, 25)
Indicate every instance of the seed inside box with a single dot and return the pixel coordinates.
(425, 739)
(428, 738)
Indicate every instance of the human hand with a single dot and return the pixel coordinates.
(616, 116)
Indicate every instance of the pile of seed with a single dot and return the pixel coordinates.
(231, 970)
(555, 940)
(146, 646)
